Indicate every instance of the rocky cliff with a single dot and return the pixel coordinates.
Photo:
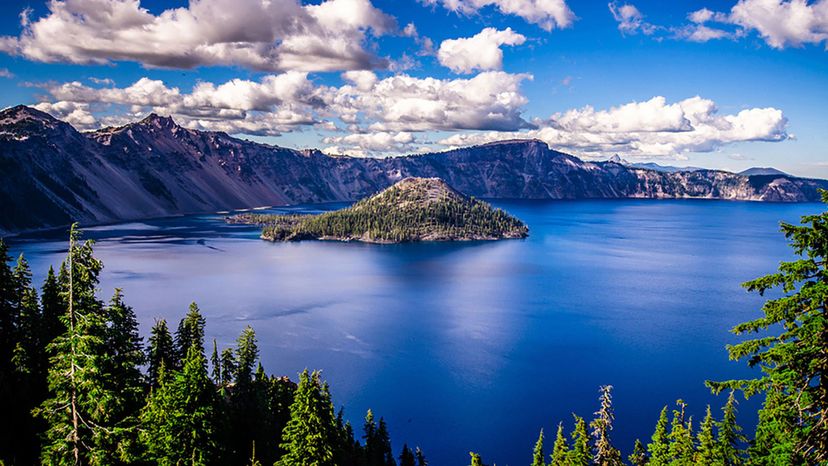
(51, 174)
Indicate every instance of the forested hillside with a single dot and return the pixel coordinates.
(414, 209)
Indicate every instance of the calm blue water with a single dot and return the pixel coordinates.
(473, 346)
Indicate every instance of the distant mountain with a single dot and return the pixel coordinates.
(51, 174)
(664, 168)
(753, 171)
(414, 209)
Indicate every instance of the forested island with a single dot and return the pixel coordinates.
(413, 209)
(82, 388)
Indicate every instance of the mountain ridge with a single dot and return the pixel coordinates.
(52, 174)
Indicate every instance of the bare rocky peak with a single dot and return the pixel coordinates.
(419, 191)
(21, 113)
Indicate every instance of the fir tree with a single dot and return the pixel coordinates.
(729, 438)
(605, 453)
(190, 332)
(475, 459)
(53, 307)
(580, 454)
(248, 410)
(215, 364)
(377, 442)
(123, 377)
(681, 449)
(179, 420)
(228, 366)
(560, 450)
(706, 452)
(247, 353)
(161, 352)
(793, 360)
(537, 453)
(348, 451)
(79, 395)
(639, 455)
(407, 457)
(773, 445)
(384, 444)
(309, 436)
(19, 312)
(659, 447)
(421, 459)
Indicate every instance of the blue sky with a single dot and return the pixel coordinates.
(586, 77)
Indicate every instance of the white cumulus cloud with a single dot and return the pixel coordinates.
(783, 23)
(479, 52)
(261, 34)
(780, 23)
(489, 100)
(548, 14)
(645, 129)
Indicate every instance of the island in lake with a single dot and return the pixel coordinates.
(413, 209)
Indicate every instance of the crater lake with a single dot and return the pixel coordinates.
(471, 345)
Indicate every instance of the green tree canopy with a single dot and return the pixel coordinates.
(794, 358)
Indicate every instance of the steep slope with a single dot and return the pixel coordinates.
(51, 174)
(414, 209)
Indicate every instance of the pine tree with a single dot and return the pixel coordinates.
(729, 438)
(706, 453)
(407, 457)
(377, 450)
(605, 453)
(122, 377)
(247, 353)
(215, 364)
(27, 325)
(190, 332)
(384, 444)
(19, 312)
(179, 421)
(161, 352)
(369, 436)
(53, 307)
(794, 358)
(475, 459)
(348, 451)
(580, 454)
(639, 455)
(309, 436)
(421, 459)
(79, 395)
(228, 366)
(247, 411)
(681, 449)
(659, 447)
(537, 453)
(560, 450)
(772, 444)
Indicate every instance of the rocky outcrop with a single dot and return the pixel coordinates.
(51, 174)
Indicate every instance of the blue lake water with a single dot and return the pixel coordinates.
(473, 346)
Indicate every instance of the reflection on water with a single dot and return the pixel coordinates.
(471, 345)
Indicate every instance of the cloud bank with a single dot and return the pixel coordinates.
(265, 35)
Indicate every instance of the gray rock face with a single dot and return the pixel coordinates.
(51, 174)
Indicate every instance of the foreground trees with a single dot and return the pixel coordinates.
(792, 423)
(71, 365)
